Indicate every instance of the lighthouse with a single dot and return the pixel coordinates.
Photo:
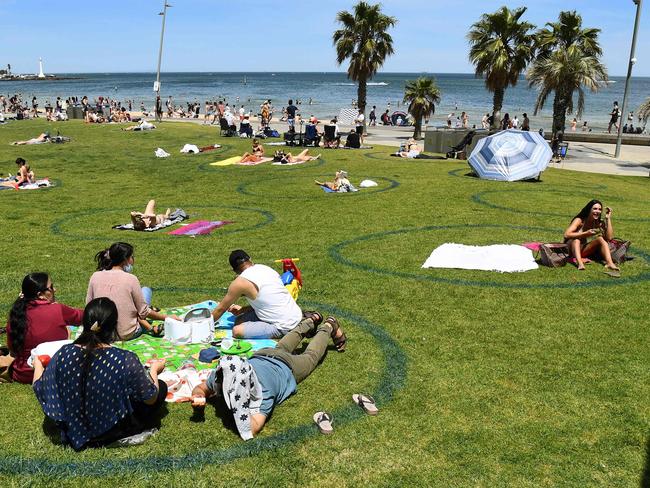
(40, 68)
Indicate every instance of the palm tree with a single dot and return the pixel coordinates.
(422, 95)
(501, 46)
(644, 111)
(568, 61)
(364, 39)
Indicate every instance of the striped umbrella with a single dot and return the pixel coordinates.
(510, 155)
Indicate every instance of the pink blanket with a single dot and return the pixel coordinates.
(200, 227)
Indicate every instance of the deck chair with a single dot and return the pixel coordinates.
(226, 130)
(311, 136)
(292, 138)
(330, 136)
(459, 150)
(245, 129)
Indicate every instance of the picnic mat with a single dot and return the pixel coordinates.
(227, 162)
(162, 225)
(202, 227)
(148, 347)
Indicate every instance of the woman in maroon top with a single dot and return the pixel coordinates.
(36, 318)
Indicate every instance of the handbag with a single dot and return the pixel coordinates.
(554, 255)
(618, 249)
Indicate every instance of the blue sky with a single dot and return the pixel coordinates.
(259, 35)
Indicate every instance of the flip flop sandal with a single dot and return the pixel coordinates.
(339, 342)
(316, 318)
(324, 422)
(613, 273)
(367, 403)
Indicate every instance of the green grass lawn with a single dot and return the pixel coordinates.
(483, 379)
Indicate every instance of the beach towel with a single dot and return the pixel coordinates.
(161, 153)
(255, 163)
(227, 162)
(280, 163)
(505, 258)
(40, 183)
(276, 143)
(202, 227)
(171, 221)
(326, 189)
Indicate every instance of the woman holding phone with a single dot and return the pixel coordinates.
(589, 233)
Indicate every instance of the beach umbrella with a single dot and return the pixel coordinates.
(510, 155)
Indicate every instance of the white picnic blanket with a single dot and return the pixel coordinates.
(505, 258)
(161, 153)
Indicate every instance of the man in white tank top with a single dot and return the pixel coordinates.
(272, 311)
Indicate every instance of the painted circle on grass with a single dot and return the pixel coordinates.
(244, 188)
(337, 250)
(466, 173)
(58, 228)
(392, 378)
(482, 198)
(309, 164)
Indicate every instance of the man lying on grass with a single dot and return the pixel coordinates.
(251, 388)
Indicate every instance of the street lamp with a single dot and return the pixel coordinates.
(156, 86)
(638, 3)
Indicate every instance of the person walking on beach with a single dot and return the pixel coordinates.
(515, 123)
(615, 115)
(525, 124)
(484, 121)
(373, 116)
(465, 120)
(449, 119)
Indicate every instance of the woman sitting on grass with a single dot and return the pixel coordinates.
(113, 279)
(148, 219)
(411, 150)
(589, 234)
(256, 155)
(340, 184)
(35, 318)
(96, 393)
(24, 175)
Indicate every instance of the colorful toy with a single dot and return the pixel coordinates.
(291, 276)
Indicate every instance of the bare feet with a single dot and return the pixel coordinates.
(581, 267)
(612, 266)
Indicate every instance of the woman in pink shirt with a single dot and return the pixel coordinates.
(113, 279)
(35, 317)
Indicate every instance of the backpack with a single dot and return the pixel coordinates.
(554, 255)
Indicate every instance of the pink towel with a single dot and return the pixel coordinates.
(200, 227)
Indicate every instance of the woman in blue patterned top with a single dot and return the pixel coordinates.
(94, 392)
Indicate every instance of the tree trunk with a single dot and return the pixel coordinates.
(560, 104)
(417, 133)
(497, 105)
(361, 98)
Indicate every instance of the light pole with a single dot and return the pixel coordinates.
(617, 153)
(156, 86)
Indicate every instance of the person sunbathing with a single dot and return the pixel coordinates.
(148, 219)
(411, 150)
(41, 139)
(589, 234)
(303, 157)
(256, 155)
(24, 175)
(144, 125)
(340, 183)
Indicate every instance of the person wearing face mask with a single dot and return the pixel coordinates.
(35, 318)
(114, 279)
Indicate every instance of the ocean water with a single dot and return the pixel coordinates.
(329, 92)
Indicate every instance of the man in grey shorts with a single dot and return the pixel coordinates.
(272, 311)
